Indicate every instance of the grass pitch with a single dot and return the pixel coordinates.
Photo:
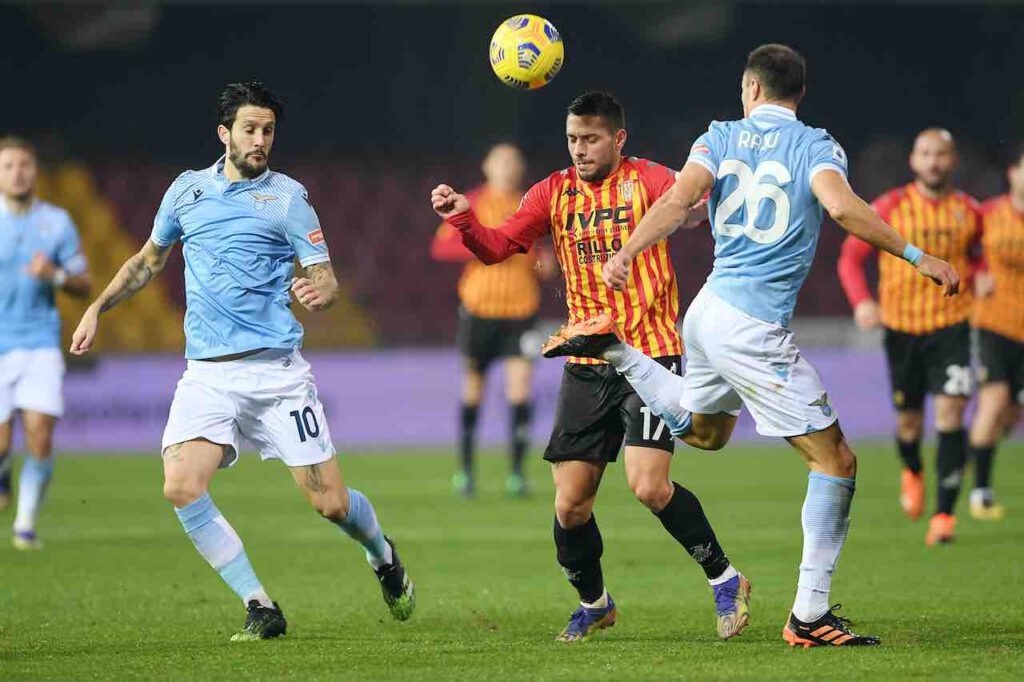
(119, 592)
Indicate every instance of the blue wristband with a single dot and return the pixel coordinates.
(912, 254)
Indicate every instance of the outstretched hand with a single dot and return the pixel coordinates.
(446, 202)
(940, 272)
(615, 272)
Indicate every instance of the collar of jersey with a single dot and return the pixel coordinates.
(773, 110)
(4, 208)
(217, 173)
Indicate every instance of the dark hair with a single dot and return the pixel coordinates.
(781, 70)
(599, 103)
(253, 93)
(15, 142)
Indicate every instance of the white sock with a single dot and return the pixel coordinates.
(660, 389)
(826, 521)
(727, 575)
(32, 484)
(600, 603)
(260, 596)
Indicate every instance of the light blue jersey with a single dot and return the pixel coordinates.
(239, 240)
(28, 315)
(764, 217)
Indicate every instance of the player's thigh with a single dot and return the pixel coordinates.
(710, 431)
(203, 410)
(948, 361)
(587, 426)
(323, 486)
(40, 385)
(994, 398)
(905, 360)
(39, 428)
(827, 452)
(647, 469)
(518, 379)
(6, 434)
(706, 390)
(189, 466)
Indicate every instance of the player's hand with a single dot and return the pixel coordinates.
(984, 284)
(308, 295)
(697, 215)
(867, 314)
(447, 202)
(615, 272)
(85, 334)
(940, 272)
(42, 268)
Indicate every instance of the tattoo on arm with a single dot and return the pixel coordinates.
(315, 480)
(322, 276)
(135, 274)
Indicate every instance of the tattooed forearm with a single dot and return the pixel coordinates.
(322, 277)
(315, 480)
(135, 274)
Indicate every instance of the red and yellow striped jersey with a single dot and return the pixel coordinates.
(507, 290)
(589, 222)
(1002, 244)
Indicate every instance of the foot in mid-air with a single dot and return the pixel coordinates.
(587, 339)
(732, 604)
(516, 485)
(462, 484)
(829, 630)
(396, 586)
(941, 530)
(26, 540)
(984, 506)
(586, 621)
(261, 622)
(912, 493)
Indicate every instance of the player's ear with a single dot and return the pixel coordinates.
(223, 133)
(620, 139)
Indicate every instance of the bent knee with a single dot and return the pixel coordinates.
(653, 494)
(573, 513)
(183, 491)
(331, 507)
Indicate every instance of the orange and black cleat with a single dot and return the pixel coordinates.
(587, 339)
(829, 630)
(912, 494)
(941, 530)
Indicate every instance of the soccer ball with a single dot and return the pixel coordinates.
(526, 52)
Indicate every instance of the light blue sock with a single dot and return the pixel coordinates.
(826, 521)
(220, 545)
(660, 389)
(32, 485)
(361, 525)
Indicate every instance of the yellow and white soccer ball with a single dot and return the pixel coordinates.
(526, 52)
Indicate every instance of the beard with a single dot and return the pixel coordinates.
(935, 182)
(598, 173)
(247, 167)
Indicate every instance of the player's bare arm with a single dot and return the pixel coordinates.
(856, 217)
(133, 276)
(43, 269)
(681, 206)
(318, 290)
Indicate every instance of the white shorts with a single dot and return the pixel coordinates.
(31, 380)
(269, 399)
(733, 359)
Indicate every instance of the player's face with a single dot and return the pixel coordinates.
(1015, 175)
(595, 148)
(17, 173)
(934, 159)
(250, 139)
(504, 167)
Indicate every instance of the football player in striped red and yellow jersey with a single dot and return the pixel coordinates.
(998, 318)
(927, 339)
(590, 209)
(497, 312)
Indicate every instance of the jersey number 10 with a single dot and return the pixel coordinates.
(750, 191)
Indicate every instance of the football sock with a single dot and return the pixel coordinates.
(6, 464)
(660, 389)
(219, 544)
(952, 452)
(826, 520)
(467, 436)
(520, 441)
(32, 484)
(361, 525)
(982, 458)
(579, 555)
(600, 603)
(684, 518)
(910, 454)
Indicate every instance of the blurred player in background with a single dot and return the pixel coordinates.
(999, 323)
(241, 226)
(769, 176)
(498, 312)
(927, 339)
(39, 254)
(590, 209)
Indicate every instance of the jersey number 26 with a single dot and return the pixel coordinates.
(751, 189)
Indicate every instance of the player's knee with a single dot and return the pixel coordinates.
(331, 507)
(653, 494)
(845, 462)
(572, 513)
(949, 415)
(39, 442)
(182, 491)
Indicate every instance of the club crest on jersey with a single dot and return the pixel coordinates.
(626, 190)
(260, 201)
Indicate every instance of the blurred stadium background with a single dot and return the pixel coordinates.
(386, 99)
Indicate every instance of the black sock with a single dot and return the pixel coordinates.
(6, 464)
(684, 518)
(467, 436)
(579, 555)
(910, 454)
(952, 452)
(982, 458)
(520, 437)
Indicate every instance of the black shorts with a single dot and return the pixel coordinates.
(1000, 359)
(483, 340)
(938, 363)
(598, 412)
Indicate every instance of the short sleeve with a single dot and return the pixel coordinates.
(302, 228)
(166, 228)
(707, 150)
(69, 251)
(827, 154)
(658, 179)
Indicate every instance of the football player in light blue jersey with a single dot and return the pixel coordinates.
(39, 253)
(769, 177)
(241, 226)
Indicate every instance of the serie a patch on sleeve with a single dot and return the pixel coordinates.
(315, 237)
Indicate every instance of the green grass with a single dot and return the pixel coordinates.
(119, 593)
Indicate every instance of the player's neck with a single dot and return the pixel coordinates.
(18, 205)
(231, 172)
(933, 194)
(1017, 202)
